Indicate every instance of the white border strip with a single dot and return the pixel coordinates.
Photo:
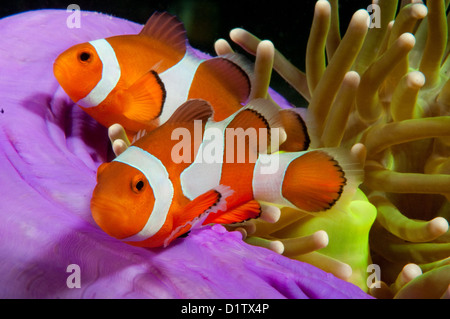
(159, 181)
(268, 188)
(110, 74)
(204, 174)
(177, 82)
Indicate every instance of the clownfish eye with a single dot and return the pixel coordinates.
(137, 184)
(140, 185)
(84, 57)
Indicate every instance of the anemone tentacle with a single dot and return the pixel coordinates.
(389, 89)
(384, 94)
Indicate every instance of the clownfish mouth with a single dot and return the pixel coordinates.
(113, 218)
(58, 71)
(63, 77)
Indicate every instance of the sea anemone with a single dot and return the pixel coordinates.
(49, 153)
(384, 92)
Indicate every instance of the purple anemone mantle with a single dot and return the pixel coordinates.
(49, 153)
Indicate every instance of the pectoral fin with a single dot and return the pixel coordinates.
(197, 211)
(145, 98)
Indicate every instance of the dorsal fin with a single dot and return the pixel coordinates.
(258, 114)
(267, 110)
(166, 28)
(191, 110)
(241, 61)
(297, 133)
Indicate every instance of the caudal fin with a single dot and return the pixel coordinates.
(314, 181)
(311, 181)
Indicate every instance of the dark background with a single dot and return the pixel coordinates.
(285, 23)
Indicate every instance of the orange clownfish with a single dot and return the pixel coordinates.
(138, 81)
(156, 191)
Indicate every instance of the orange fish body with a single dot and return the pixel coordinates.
(156, 191)
(139, 80)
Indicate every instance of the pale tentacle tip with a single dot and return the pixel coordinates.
(390, 25)
(352, 78)
(360, 19)
(415, 80)
(320, 239)
(409, 272)
(242, 231)
(222, 47)
(419, 11)
(343, 271)
(247, 228)
(238, 33)
(118, 138)
(119, 146)
(270, 214)
(322, 7)
(407, 40)
(438, 226)
(115, 131)
(276, 246)
(359, 152)
(266, 46)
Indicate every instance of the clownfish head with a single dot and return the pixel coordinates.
(88, 72)
(78, 70)
(122, 201)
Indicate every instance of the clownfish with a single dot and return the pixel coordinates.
(156, 190)
(138, 81)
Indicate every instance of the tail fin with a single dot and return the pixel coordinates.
(313, 182)
(310, 181)
(353, 169)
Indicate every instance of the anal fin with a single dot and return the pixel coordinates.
(249, 210)
(199, 205)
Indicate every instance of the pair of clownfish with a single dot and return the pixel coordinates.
(153, 82)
